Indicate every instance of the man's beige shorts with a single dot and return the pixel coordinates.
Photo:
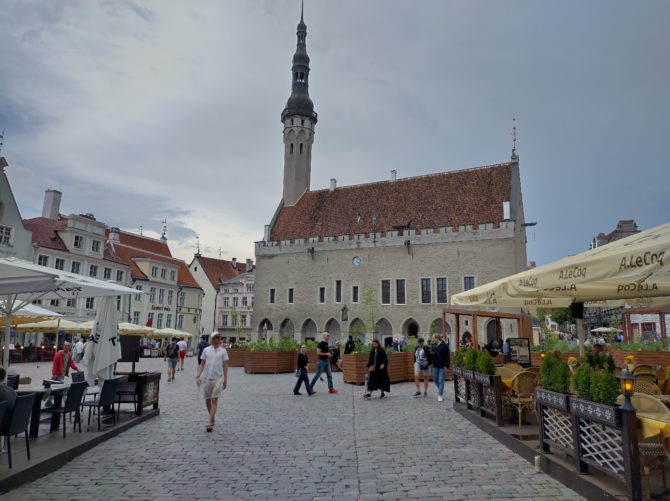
(212, 388)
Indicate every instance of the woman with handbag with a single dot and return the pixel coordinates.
(421, 367)
(301, 373)
(378, 376)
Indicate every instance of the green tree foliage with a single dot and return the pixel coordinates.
(459, 357)
(561, 315)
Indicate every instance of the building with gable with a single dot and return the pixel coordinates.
(210, 273)
(15, 238)
(77, 244)
(174, 297)
(380, 258)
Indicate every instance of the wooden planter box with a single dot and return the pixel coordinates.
(354, 369)
(236, 357)
(269, 362)
(398, 366)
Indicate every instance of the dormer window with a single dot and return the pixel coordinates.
(78, 241)
(95, 246)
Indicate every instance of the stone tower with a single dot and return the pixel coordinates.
(299, 120)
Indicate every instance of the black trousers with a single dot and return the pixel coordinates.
(302, 378)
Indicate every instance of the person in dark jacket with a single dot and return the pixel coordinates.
(303, 367)
(201, 346)
(378, 371)
(421, 367)
(349, 346)
(440, 357)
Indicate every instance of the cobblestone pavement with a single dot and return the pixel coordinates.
(270, 444)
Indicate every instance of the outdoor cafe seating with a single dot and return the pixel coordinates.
(106, 398)
(17, 423)
(72, 404)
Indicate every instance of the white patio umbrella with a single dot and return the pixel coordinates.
(105, 338)
(53, 325)
(171, 333)
(22, 282)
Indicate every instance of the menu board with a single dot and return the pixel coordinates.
(150, 394)
(519, 350)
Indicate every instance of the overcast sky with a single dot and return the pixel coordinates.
(144, 110)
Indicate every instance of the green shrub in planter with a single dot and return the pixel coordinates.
(485, 363)
(555, 374)
(601, 361)
(458, 358)
(470, 359)
(581, 381)
(604, 387)
(310, 345)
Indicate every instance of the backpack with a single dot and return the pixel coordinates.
(173, 350)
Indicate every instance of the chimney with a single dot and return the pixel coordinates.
(266, 233)
(234, 262)
(394, 173)
(250, 264)
(114, 235)
(51, 208)
(333, 184)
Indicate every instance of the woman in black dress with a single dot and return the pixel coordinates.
(378, 376)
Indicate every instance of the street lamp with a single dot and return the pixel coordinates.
(627, 383)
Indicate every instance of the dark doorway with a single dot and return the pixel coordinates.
(412, 329)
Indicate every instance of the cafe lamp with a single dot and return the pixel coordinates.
(542, 355)
(627, 383)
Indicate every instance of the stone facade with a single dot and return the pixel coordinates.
(486, 255)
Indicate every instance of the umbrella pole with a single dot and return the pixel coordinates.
(8, 333)
(580, 335)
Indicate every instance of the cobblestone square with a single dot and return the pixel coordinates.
(270, 444)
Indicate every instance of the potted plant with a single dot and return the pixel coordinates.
(597, 390)
(469, 363)
(555, 382)
(354, 364)
(485, 369)
(272, 357)
(458, 361)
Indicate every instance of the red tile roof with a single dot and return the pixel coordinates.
(220, 269)
(45, 232)
(145, 243)
(129, 254)
(472, 196)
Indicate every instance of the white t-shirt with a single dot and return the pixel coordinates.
(182, 345)
(213, 362)
(79, 347)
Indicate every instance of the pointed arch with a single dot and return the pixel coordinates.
(286, 329)
(357, 329)
(333, 326)
(309, 329)
(410, 328)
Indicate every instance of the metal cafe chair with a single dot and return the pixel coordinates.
(72, 404)
(106, 398)
(18, 423)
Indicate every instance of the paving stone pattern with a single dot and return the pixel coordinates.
(270, 444)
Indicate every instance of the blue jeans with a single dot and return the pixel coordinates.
(321, 367)
(438, 378)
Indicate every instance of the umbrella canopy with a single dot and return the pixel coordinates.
(23, 282)
(633, 270)
(53, 325)
(128, 329)
(606, 329)
(30, 313)
(171, 333)
(105, 338)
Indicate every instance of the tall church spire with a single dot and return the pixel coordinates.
(299, 119)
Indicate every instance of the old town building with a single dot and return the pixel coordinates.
(210, 273)
(380, 258)
(235, 305)
(15, 238)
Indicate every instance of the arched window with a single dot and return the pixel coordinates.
(291, 121)
(296, 76)
(291, 149)
(302, 122)
(301, 148)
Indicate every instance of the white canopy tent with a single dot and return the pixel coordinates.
(634, 271)
(22, 282)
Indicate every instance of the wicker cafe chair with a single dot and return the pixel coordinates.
(643, 368)
(513, 366)
(666, 386)
(522, 393)
(646, 376)
(505, 373)
(645, 387)
(535, 371)
(652, 452)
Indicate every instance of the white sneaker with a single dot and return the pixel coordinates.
(440, 399)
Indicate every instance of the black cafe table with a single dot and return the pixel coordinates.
(40, 394)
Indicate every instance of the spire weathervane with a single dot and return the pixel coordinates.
(514, 155)
(2, 137)
(197, 244)
(163, 237)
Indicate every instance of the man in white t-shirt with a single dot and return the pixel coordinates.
(182, 352)
(213, 375)
(78, 350)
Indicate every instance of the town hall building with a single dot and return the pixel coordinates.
(380, 259)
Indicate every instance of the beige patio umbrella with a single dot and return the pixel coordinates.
(171, 333)
(128, 329)
(53, 325)
(634, 270)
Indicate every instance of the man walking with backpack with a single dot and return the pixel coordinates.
(172, 357)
